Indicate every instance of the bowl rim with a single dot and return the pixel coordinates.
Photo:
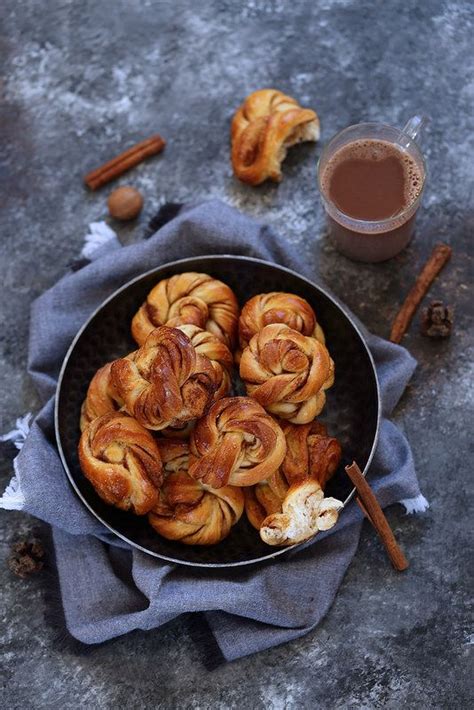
(171, 264)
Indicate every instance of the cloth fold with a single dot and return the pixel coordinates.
(109, 589)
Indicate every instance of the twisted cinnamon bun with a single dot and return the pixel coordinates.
(165, 383)
(187, 510)
(287, 373)
(122, 461)
(101, 397)
(189, 298)
(277, 307)
(263, 128)
(236, 443)
(311, 454)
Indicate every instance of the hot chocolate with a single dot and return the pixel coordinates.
(372, 180)
(371, 188)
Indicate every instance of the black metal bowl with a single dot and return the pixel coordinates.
(351, 413)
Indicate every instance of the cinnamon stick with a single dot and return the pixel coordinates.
(364, 510)
(369, 504)
(112, 169)
(440, 255)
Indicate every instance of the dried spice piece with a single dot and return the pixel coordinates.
(437, 320)
(123, 162)
(440, 255)
(27, 557)
(371, 508)
(125, 203)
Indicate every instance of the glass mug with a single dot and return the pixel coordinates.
(373, 240)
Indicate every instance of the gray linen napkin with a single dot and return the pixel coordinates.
(108, 589)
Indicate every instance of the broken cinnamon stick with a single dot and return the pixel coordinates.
(112, 169)
(370, 506)
(439, 257)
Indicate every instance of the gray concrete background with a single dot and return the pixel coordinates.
(83, 80)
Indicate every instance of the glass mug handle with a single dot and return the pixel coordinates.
(414, 126)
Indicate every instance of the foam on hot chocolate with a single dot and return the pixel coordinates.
(372, 179)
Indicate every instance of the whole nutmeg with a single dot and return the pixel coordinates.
(125, 203)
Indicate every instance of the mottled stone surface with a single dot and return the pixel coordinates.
(83, 80)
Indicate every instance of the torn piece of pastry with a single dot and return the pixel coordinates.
(187, 510)
(236, 443)
(122, 461)
(310, 454)
(165, 383)
(101, 397)
(287, 373)
(263, 128)
(305, 511)
(277, 307)
(192, 298)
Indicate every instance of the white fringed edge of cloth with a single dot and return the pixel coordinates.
(13, 498)
(99, 236)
